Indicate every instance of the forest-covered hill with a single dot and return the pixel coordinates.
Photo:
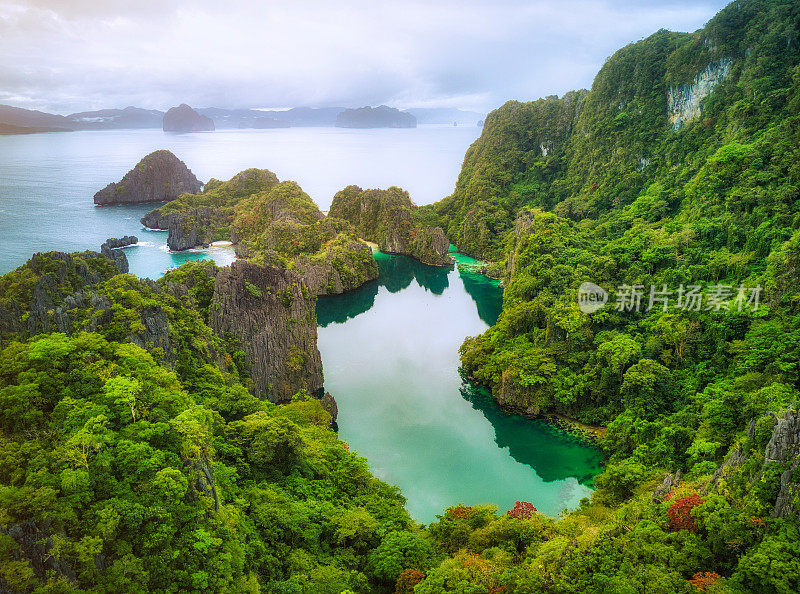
(133, 456)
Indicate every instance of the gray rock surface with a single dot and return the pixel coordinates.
(386, 217)
(272, 314)
(158, 177)
(110, 249)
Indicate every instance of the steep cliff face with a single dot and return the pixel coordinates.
(386, 217)
(158, 177)
(111, 249)
(782, 452)
(210, 211)
(784, 448)
(530, 140)
(85, 292)
(651, 107)
(185, 119)
(270, 312)
(684, 101)
(195, 227)
(273, 223)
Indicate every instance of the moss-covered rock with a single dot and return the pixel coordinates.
(389, 218)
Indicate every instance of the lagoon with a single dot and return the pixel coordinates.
(390, 355)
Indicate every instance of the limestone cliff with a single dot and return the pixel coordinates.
(271, 313)
(158, 177)
(196, 219)
(782, 449)
(37, 297)
(110, 249)
(195, 227)
(344, 264)
(684, 101)
(386, 217)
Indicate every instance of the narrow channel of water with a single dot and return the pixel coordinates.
(390, 355)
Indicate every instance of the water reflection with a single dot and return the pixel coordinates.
(338, 309)
(553, 453)
(391, 361)
(485, 292)
(395, 273)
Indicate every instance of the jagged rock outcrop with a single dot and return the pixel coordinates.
(272, 314)
(110, 249)
(683, 102)
(670, 481)
(782, 448)
(271, 223)
(188, 228)
(34, 544)
(158, 177)
(338, 269)
(204, 483)
(59, 292)
(39, 300)
(113, 243)
(194, 227)
(155, 220)
(185, 119)
(329, 404)
(386, 218)
(194, 219)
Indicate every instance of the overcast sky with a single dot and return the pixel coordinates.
(72, 55)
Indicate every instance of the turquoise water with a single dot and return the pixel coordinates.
(389, 349)
(47, 181)
(390, 355)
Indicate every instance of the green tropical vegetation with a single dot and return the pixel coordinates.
(390, 219)
(273, 223)
(134, 457)
(626, 187)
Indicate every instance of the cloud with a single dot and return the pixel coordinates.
(68, 56)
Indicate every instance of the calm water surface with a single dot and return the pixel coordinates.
(389, 349)
(47, 181)
(390, 355)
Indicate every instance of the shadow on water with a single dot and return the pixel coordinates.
(337, 309)
(486, 293)
(553, 453)
(395, 273)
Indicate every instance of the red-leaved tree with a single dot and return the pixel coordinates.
(703, 579)
(522, 510)
(680, 513)
(407, 580)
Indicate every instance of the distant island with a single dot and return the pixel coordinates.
(6, 129)
(185, 119)
(130, 117)
(17, 120)
(382, 116)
